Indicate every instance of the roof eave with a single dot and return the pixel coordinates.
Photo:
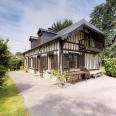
(84, 25)
(59, 37)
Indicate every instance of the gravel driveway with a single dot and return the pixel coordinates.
(43, 97)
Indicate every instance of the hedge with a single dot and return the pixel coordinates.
(110, 66)
(16, 63)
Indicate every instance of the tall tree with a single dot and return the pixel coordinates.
(18, 54)
(4, 61)
(104, 18)
(61, 25)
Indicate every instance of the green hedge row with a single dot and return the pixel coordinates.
(16, 63)
(110, 66)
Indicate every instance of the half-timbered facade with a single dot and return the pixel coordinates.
(74, 46)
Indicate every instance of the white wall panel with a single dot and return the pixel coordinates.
(66, 45)
(74, 38)
(57, 44)
(96, 60)
(91, 61)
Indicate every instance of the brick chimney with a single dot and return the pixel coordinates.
(40, 39)
(50, 29)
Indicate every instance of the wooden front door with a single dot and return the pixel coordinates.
(51, 62)
(43, 63)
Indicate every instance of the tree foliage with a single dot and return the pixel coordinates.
(104, 18)
(18, 54)
(4, 61)
(61, 25)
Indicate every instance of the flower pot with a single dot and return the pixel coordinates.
(21, 67)
(41, 76)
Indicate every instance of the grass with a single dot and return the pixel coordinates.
(11, 102)
(102, 69)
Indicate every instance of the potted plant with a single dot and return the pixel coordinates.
(26, 70)
(37, 74)
(61, 76)
(41, 74)
(21, 67)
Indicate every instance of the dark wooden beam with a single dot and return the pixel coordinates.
(72, 42)
(71, 50)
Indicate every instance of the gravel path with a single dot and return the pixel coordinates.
(43, 97)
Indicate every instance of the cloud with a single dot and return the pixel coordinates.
(28, 16)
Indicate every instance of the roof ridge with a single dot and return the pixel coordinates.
(46, 31)
(82, 20)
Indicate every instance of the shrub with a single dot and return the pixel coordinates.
(4, 61)
(3, 76)
(110, 66)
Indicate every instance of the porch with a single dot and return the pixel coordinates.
(82, 74)
(90, 45)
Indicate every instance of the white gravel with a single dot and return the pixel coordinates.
(43, 97)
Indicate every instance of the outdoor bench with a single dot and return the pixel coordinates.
(75, 75)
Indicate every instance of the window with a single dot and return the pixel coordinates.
(73, 61)
(34, 62)
(29, 62)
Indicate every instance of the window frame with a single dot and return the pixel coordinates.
(73, 64)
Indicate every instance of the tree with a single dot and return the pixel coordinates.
(61, 25)
(18, 54)
(4, 61)
(104, 18)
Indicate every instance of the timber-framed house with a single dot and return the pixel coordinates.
(77, 45)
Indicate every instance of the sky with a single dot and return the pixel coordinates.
(20, 19)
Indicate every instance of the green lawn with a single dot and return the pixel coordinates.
(11, 102)
(102, 69)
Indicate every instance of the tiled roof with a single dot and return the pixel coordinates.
(64, 33)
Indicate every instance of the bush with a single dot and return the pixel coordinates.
(3, 76)
(4, 61)
(16, 63)
(61, 76)
(110, 66)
